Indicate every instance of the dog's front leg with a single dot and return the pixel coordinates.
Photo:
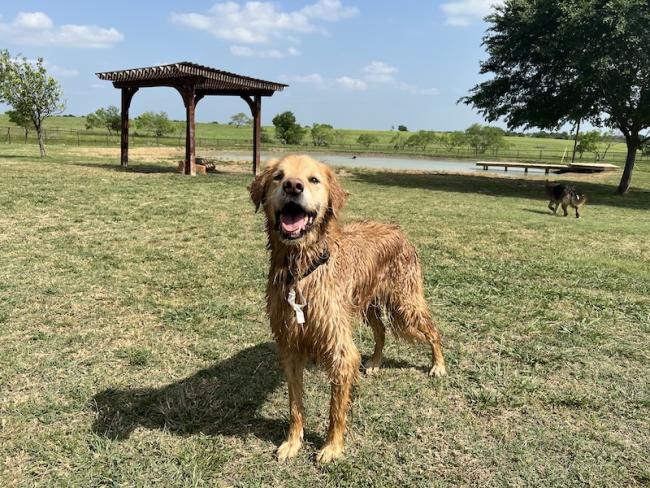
(293, 365)
(343, 374)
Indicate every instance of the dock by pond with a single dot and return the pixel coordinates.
(558, 168)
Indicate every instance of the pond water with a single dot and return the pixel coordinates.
(393, 162)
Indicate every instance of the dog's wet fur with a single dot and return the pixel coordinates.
(362, 270)
(566, 196)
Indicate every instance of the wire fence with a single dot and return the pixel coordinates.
(72, 137)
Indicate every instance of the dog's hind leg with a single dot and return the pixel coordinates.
(373, 318)
(412, 321)
(564, 208)
(293, 365)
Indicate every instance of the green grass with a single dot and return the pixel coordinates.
(135, 350)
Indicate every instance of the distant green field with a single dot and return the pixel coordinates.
(72, 131)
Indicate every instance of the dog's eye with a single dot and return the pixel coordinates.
(278, 176)
(314, 180)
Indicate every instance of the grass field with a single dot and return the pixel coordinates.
(135, 351)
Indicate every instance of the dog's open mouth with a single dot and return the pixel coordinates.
(294, 221)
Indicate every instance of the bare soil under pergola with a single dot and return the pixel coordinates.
(193, 82)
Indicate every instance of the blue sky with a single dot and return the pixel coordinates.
(354, 64)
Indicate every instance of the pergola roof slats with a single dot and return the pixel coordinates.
(204, 77)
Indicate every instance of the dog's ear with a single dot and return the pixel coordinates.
(258, 187)
(337, 195)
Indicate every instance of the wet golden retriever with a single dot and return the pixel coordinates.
(322, 275)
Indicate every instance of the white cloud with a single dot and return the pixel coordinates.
(379, 72)
(257, 22)
(61, 72)
(330, 10)
(375, 73)
(311, 79)
(462, 13)
(263, 53)
(36, 28)
(351, 83)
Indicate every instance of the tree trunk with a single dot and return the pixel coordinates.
(632, 147)
(41, 144)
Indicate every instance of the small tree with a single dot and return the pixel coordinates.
(588, 142)
(422, 139)
(31, 92)
(21, 120)
(322, 134)
(398, 141)
(240, 119)
(607, 140)
(265, 137)
(158, 123)
(106, 118)
(366, 140)
(402, 128)
(454, 140)
(287, 130)
(483, 138)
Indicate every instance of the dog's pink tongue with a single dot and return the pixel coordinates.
(292, 223)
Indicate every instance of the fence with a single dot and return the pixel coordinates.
(16, 135)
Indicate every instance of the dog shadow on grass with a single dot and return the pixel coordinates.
(224, 399)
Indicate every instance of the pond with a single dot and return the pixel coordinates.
(393, 162)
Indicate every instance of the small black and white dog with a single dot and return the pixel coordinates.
(564, 195)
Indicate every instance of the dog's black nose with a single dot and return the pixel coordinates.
(293, 186)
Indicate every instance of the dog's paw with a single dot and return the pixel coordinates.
(371, 368)
(329, 453)
(438, 371)
(288, 449)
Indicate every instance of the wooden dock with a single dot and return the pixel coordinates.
(560, 168)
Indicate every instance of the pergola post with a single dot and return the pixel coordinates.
(255, 105)
(189, 99)
(127, 95)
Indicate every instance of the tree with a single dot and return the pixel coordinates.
(402, 128)
(240, 119)
(287, 130)
(21, 120)
(158, 123)
(558, 61)
(107, 118)
(481, 138)
(398, 141)
(422, 139)
(31, 92)
(322, 134)
(588, 142)
(265, 137)
(367, 140)
(607, 139)
(454, 140)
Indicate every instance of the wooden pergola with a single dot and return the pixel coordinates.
(193, 82)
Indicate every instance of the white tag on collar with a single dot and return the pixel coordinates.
(297, 307)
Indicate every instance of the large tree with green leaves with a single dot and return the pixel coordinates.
(287, 130)
(559, 61)
(31, 92)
